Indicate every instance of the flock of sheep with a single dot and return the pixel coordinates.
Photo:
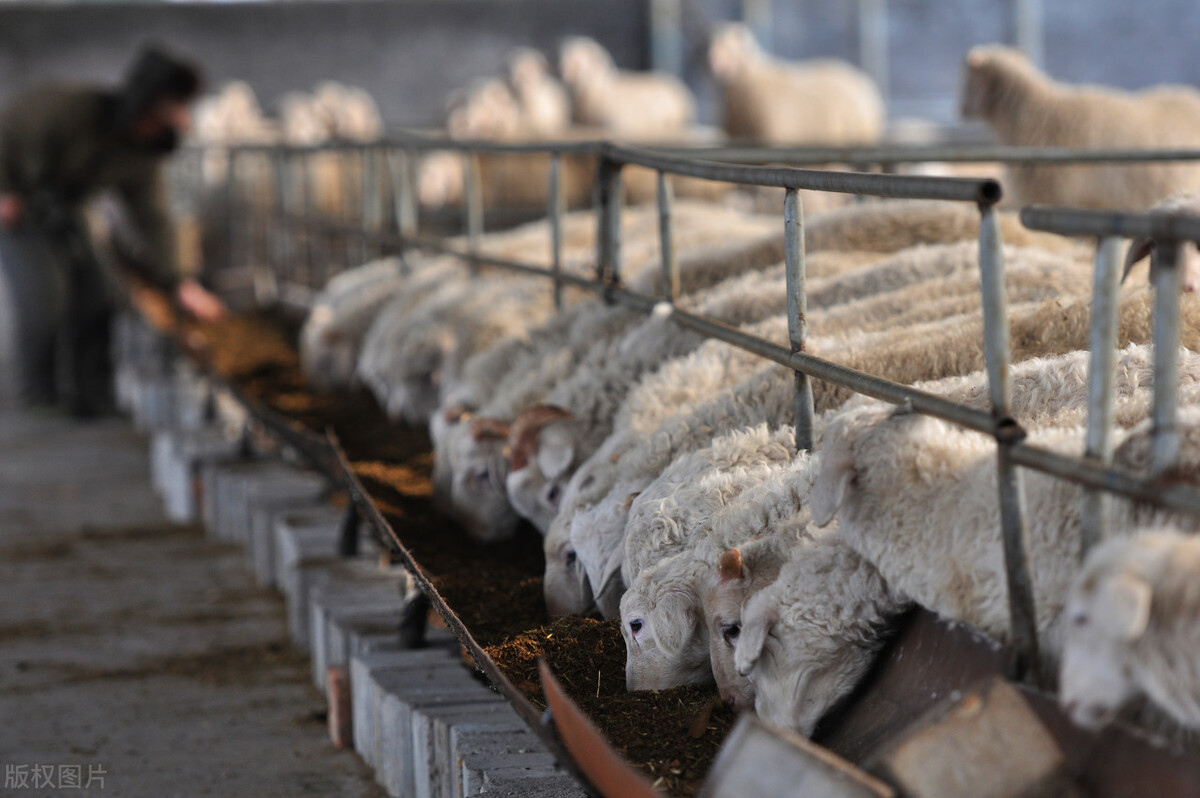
(661, 468)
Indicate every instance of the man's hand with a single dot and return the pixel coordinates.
(196, 300)
(12, 208)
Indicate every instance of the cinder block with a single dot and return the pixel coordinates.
(434, 769)
(414, 691)
(521, 783)
(273, 480)
(490, 717)
(306, 547)
(337, 699)
(518, 764)
(986, 743)
(275, 498)
(186, 451)
(332, 602)
(369, 676)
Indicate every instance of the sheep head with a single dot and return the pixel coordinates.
(542, 447)
(527, 67)
(740, 573)
(583, 61)
(479, 466)
(663, 628)
(1107, 612)
(564, 584)
(809, 638)
(440, 176)
(987, 80)
(732, 49)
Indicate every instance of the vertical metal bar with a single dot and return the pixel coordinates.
(310, 241)
(1022, 612)
(369, 194)
(797, 300)
(1029, 30)
(279, 252)
(1103, 345)
(666, 37)
(1168, 282)
(608, 236)
(473, 204)
(666, 240)
(231, 215)
(556, 214)
(873, 41)
(346, 160)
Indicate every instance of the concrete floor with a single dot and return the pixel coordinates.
(139, 651)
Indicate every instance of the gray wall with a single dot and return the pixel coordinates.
(409, 55)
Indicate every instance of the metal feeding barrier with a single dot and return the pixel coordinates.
(369, 225)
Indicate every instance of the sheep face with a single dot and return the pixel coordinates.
(723, 619)
(564, 584)
(440, 180)
(1107, 612)
(664, 637)
(1189, 254)
(479, 468)
(542, 448)
(732, 48)
(527, 68)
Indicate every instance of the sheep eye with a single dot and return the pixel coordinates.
(730, 632)
(571, 557)
(552, 495)
(587, 483)
(635, 626)
(481, 475)
(1080, 620)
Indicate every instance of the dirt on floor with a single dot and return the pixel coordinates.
(671, 735)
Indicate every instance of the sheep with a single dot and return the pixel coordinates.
(809, 638)
(544, 104)
(485, 110)
(760, 244)
(568, 591)
(1025, 107)
(1132, 625)
(631, 105)
(1188, 253)
(769, 101)
(657, 615)
(911, 491)
(333, 332)
(532, 488)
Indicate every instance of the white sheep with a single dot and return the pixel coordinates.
(661, 621)
(535, 484)
(598, 530)
(544, 103)
(650, 105)
(1132, 627)
(1025, 107)
(339, 319)
(770, 101)
(485, 110)
(809, 638)
(1189, 254)
(917, 496)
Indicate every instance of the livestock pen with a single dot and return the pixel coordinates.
(280, 239)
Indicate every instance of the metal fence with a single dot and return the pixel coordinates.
(384, 218)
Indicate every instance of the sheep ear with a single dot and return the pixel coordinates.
(730, 566)
(750, 642)
(1140, 248)
(1128, 600)
(676, 624)
(832, 487)
(556, 450)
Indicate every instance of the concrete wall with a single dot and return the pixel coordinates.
(409, 55)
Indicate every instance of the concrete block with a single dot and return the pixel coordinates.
(366, 693)
(306, 545)
(435, 770)
(269, 500)
(986, 743)
(331, 599)
(184, 452)
(523, 783)
(272, 479)
(413, 691)
(506, 757)
(337, 699)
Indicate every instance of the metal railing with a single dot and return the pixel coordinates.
(395, 159)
